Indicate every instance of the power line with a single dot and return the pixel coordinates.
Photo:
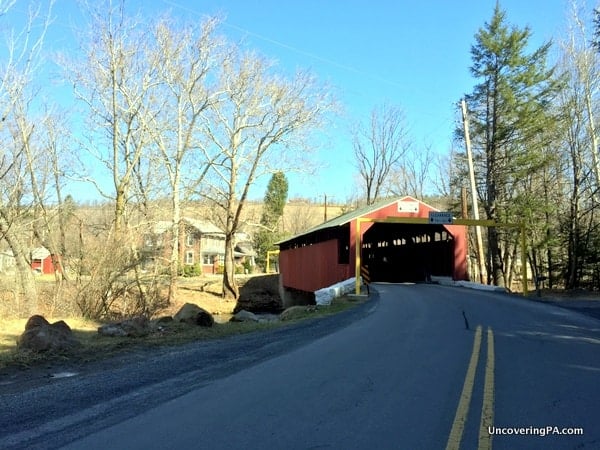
(293, 49)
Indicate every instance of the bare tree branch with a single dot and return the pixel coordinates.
(379, 148)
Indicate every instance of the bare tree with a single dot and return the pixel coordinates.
(23, 58)
(256, 129)
(578, 102)
(379, 147)
(184, 94)
(115, 82)
(411, 176)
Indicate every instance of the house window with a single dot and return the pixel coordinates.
(212, 244)
(189, 257)
(148, 241)
(189, 239)
(208, 258)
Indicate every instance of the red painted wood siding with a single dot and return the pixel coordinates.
(45, 265)
(459, 233)
(316, 266)
(312, 267)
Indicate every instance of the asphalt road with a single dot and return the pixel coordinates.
(400, 372)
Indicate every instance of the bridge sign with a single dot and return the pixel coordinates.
(441, 217)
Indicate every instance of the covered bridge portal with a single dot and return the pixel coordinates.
(393, 251)
(403, 252)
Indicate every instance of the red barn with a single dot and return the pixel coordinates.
(42, 261)
(393, 252)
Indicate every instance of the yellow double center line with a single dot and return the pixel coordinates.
(487, 411)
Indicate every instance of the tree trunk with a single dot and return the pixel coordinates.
(573, 244)
(496, 258)
(119, 212)
(574, 233)
(175, 247)
(495, 269)
(27, 289)
(592, 131)
(230, 287)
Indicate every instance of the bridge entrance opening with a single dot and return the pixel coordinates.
(401, 252)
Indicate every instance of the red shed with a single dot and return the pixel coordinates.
(42, 261)
(394, 252)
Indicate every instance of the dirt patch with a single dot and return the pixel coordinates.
(258, 293)
(562, 295)
(583, 301)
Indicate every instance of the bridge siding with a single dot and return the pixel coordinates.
(316, 266)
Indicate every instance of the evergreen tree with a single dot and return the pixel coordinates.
(274, 203)
(275, 199)
(509, 117)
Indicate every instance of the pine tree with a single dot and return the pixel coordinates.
(274, 203)
(509, 117)
(275, 199)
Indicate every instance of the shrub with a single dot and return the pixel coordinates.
(192, 270)
(116, 285)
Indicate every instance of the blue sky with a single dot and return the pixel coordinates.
(412, 53)
(415, 54)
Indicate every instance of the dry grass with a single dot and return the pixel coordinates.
(201, 291)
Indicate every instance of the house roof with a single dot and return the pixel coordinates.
(203, 226)
(244, 249)
(353, 215)
(40, 253)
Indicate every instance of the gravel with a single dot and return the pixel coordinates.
(47, 409)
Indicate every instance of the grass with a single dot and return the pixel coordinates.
(95, 347)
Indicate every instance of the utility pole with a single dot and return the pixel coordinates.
(480, 264)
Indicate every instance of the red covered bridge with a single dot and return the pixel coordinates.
(393, 251)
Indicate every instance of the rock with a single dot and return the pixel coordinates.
(135, 327)
(268, 318)
(62, 325)
(244, 316)
(295, 312)
(187, 312)
(36, 321)
(260, 294)
(112, 330)
(164, 319)
(194, 315)
(41, 336)
(259, 301)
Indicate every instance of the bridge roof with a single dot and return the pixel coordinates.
(353, 215)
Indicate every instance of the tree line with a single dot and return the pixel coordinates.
(168, 111)
(171, 111)
(534, 135)
(536, 149)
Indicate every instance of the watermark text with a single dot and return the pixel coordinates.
(551, 430)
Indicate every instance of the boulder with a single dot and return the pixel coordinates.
(259, 301)
(268, 318)
(244, 316)
(135, 327)
(42, 336)
(112, 330)
(295, 312)
(163, 320)
(36, 321)
(194, 315)
(260, 294)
